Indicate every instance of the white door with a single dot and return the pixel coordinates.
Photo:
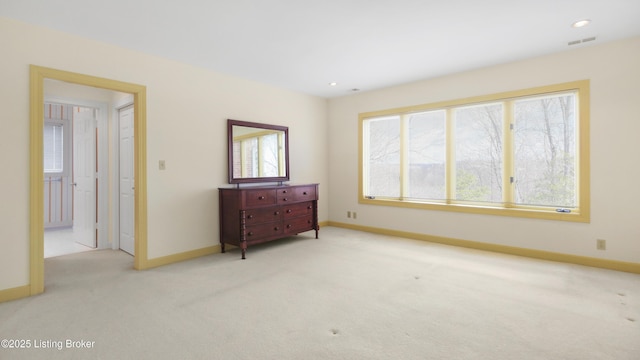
(127, 191)
(84, 176)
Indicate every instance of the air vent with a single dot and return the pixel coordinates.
(576, 42)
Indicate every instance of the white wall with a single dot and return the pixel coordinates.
(614, 72)
(187, 108)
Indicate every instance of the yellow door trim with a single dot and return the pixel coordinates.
(36, 202)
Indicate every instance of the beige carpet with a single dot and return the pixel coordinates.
(347, 295)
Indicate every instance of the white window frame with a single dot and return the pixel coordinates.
(66, 147)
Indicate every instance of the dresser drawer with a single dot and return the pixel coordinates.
(305, 193)
(296, 194)
(286, 195)
(259, 231)
(298, 225)
(260, 197)
(298, 209)
(257, 216)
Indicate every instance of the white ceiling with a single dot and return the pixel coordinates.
(303, 45)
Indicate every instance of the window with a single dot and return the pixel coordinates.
(478, 137)
(545, 151)
(523, 153)
(53, 147)
(384, 156)
(56, 142)
(427, 155)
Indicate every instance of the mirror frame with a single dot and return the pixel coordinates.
(230, 124)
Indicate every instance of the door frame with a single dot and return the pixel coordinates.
(36, 206)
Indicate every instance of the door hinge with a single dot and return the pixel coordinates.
(511, 126)
(511, 179)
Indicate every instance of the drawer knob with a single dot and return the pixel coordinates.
(276, 228)
(288, 211)
(250, 217)
(304, 193)
(276, 213)
(289, 226)
(285, 199)
(250, 233)
(284, 191)
(260, 197)
(309, 207)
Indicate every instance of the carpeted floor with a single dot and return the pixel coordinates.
(347, 295)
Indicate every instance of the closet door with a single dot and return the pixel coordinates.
(127, 190)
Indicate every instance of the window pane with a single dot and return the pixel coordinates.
(246, 151)
(545, 151)
(270, 155)
(251, 151)
(237, 159)
(383, 158)
(53, 150)
(427, 155)
(478, 138)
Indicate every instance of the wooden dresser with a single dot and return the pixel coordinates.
(257, 214)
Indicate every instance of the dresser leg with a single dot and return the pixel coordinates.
(243, 247)
(222, 248)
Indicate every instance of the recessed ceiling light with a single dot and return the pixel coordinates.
(333, 83)
(581, 23)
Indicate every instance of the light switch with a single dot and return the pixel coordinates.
(161, 165)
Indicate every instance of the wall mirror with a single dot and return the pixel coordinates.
(257, 152)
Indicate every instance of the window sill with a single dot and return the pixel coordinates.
(522, 212)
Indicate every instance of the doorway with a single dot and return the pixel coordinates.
(38, 77)
(71, 176)
(81, 165)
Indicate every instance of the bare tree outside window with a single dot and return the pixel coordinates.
(479, 158)
(427, 155)
(270, 152)
(384, 157)
(510, 154)
(545, 151)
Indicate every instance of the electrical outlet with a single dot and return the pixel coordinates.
(354, 214)
(349, 214)
(601, 244)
